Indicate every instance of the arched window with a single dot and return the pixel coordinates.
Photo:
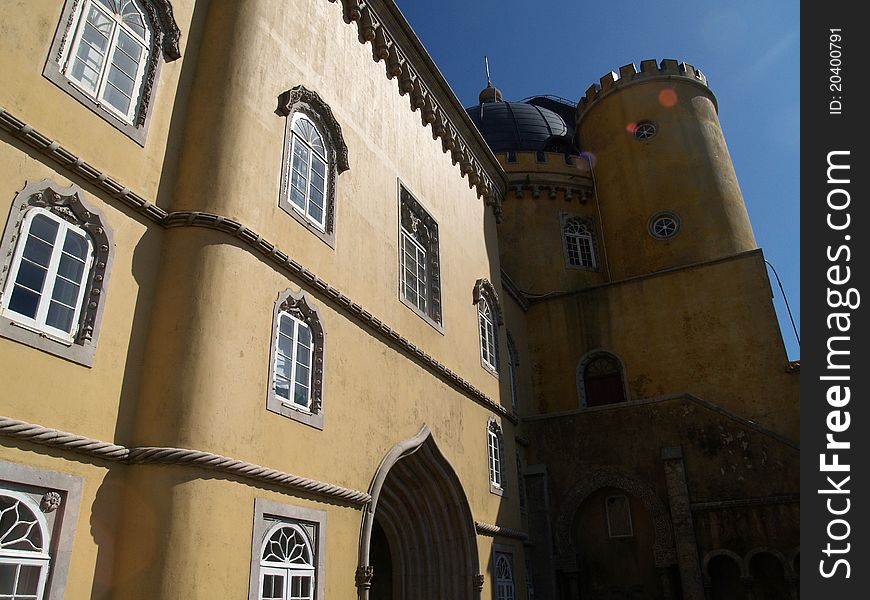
(308, 170)
(109, 53)
(494, 443)
(504, 577)
(602, 380)
(106, 54)
(57, 254)
(489, 318)
(296, 387)
(579, 242)
(286, 564)
(24, 540)
(314, 155)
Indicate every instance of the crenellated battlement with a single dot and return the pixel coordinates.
(628, 74)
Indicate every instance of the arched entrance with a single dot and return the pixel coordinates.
(417, 538)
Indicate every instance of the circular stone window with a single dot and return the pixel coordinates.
(644, 131)
(664, 226)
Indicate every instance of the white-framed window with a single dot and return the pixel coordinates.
(109, 54)
(309, 166)
(287, 570)
(287, 560)
(419, 266)
(293, 358)
(579, 245)
(297, 360)
(48, 275)
(38, 514)
(504, 577)
(24, 548)
(487, 335)
(495, 455)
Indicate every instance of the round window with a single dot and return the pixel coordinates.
(644, 131)
(664, 226)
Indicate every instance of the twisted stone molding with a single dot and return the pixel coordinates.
(255, 241)
(443, 121)
(498, 531)
(629, 74)
(92, 448)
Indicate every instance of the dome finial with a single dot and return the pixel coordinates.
(489, 93)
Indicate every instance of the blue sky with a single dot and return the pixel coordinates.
(750, 52)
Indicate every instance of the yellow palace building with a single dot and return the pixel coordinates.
(281, 319)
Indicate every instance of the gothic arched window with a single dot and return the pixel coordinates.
(579, 242)
(24, 542)
(308, 166)
(504, 577)
(602, 380)
(287, 564)
(489, 319)
(495, 452)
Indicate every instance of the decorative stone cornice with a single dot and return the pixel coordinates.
(281, 260)
(629, 74)
(92, 448)
(380, 23)
(497, 531)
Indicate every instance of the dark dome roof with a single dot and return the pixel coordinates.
(517, 126)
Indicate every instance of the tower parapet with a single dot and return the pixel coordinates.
(649, 70)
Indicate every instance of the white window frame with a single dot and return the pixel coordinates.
(293, 381)
(495, 453)
(420, 258)
(20, 558)
(488, 337)
(71, 50)
(288, 570)
(295, 139)
(38, 322)
(426, 250)
(578, 241)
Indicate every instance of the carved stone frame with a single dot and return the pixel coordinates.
(434, 314)
(297, 305)
(494, 426)
(299, 99)
(483, 289)
(313, 521)
(581, 381)
(509, 552)
(68, 204)
(61, 496)
(564, 217)
(165, 41)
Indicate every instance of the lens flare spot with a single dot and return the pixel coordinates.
(631, 127)
(668, 98)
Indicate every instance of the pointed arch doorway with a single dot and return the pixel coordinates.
(417, 538)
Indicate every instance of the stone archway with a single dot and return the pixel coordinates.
(420, 511)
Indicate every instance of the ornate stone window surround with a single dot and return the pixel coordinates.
(165, 38)
(664, 225)
(495, 456)
(484, 294)
(565, 220)
(67, 204)
(581, 384)
(301, 101)
(309, 521)
(57, 497)
(417, 227)
(298, 306)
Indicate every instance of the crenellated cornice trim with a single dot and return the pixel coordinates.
(382, 24)
(255, 242)
(54, 438)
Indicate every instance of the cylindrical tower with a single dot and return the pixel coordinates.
(666, 187)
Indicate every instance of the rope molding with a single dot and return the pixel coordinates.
(497, 531)
(282, 260)
(63, 440)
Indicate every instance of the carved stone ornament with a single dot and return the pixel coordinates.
(50, 502)
(478, 580)
(484, 289)
(424, 229)
(297, 306)
(364, 576)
